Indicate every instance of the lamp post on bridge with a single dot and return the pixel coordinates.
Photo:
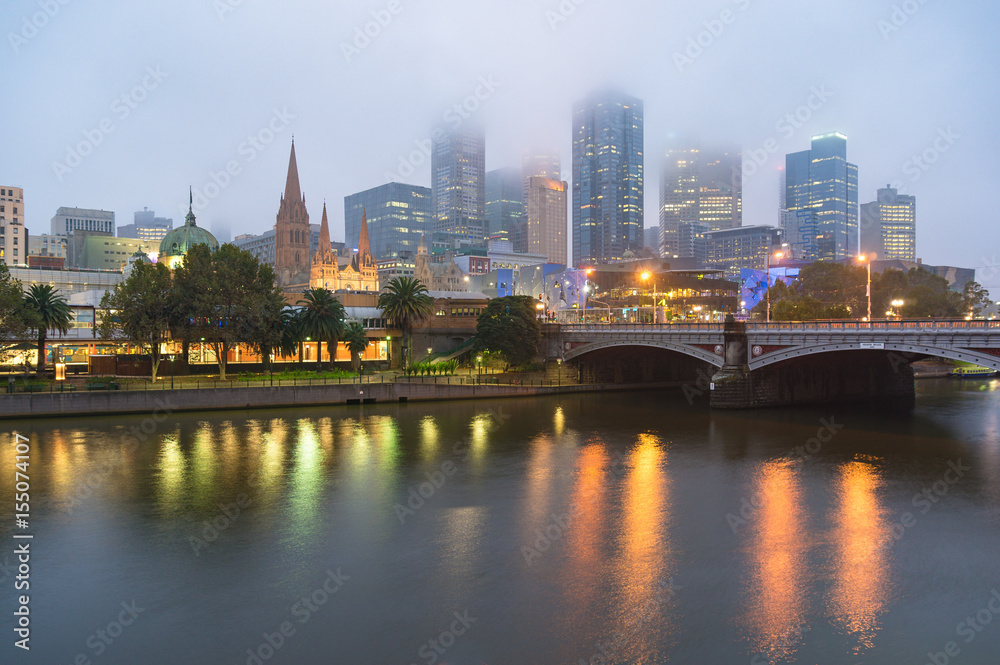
(767, 278)
(867, 260)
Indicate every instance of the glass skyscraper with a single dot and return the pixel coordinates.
(607, 178)
(821, 200)
(397, 215)
(458, 183)
(504, 206)
(889, 226)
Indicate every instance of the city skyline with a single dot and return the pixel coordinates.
(166, 142)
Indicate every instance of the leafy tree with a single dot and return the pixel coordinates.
(357, 341)
(975, 298)
(322, 317)
(139, 310)
(227, 297)
(48, 311)
(14, 316)
(404, 302)
(290, 340)
(509, 325)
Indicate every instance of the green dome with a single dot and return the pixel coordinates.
(177, 242)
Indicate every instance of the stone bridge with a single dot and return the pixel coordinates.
(770, 364)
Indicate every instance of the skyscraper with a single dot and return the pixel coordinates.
(703, 187)
(504, 203)
(607, 177)
(821, 200)
(292, 259)
(67, 220)
(889, 226)
(13, 232)
(540, 164)
(545, 228)
(398, 215)
(458, 183)
(147, 226)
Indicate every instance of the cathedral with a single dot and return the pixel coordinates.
(297, 268)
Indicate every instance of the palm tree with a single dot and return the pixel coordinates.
(357, 341)
(322, 317)
(49, 311)
(404, 302)
(291, 333)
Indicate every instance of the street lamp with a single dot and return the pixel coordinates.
(479, 364)
(779, 256)
(896, 304)
(868, 263)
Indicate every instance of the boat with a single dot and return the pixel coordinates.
(973, 372)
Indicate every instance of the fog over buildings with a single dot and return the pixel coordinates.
(122, 106)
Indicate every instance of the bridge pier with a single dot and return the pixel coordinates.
(870, 376)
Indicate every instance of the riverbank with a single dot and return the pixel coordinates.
(50, 405)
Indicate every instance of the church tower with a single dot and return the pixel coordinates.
(325, 272)
(291, 231)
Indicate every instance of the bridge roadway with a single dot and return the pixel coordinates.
(975, 341)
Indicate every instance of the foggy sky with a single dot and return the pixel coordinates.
(200, 77)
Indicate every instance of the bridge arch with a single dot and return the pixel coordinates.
(690, 351)
(905, 351)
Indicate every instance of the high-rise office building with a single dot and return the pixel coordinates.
(692, 242)
(702, 187)
(504, 203)
(545, 228)
(539, 164)
(13, 232)
(821, 201)
(398, 215)
(146, 226)
(607, 178)
(458, 183)
(67, 220)
(732, 250)
(889, 226)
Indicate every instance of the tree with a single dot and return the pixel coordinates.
(139, 310)
(404, 302)
(975, 299)
(14, 316)
(322, 317)
(48, 311)
(290, 337)
(357, 341)
(509, 325)
(227, 297)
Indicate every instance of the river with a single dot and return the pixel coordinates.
(603, 528)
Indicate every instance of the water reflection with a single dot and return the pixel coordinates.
(777, 588)
(586, 537)
(861, 588)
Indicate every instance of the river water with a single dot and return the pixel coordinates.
(617, 528)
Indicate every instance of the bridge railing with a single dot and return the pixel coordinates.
(777, 326)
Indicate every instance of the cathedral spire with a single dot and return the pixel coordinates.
(292, 189)
(189, 220)
(324, 253)
(364, 246)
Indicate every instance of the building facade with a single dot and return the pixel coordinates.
(91, 251)
(397, 216)
(358, 273)
(699, 186)
(47, 245)
(546, 224)
(67, 220)
(504, 205)
(732, 250)
(539, 164)
(14, 244)
(889, 226)
(607, 178)
(146, 226)
(292, 257)
(821, 201)
(443, 275)
(458, 183)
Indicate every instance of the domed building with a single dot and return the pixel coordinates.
(176, 244)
